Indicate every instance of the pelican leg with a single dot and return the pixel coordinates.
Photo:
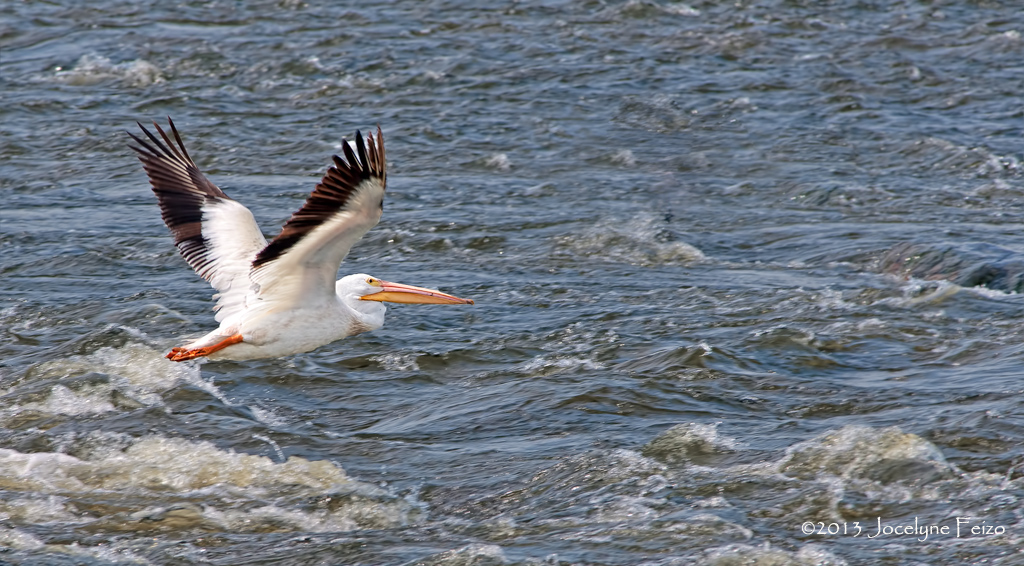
(181, 354)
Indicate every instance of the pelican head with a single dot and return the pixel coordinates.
(366, 294)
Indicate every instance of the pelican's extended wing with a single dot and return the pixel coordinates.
(301, 263)
(216, 235)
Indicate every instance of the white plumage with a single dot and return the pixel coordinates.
(281, 297)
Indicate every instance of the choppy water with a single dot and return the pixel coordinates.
(737, 267)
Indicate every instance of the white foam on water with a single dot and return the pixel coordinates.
(853, 450)
(683, 442)
(63, 401)
(796, 335)
(854, 329)
(831, 299)
(629, 463)
(162, 478)
(682, 10)
(136, 373)
(93, 69)
(159, 464)
(990, 293)
(397, 361)
(19, 540)
(551, 364)
(706, 525)
(499, 161)
(645, 475)
(367, 515)
(624, 157)
(273, 444)
(871, 324)
(572, 348)
(651, 9)
(938, 153)
(886, 463)
(604, 488)
(714, 502)
(882, 464)
(143, 370)
(474, 554)
(918, 292)
(266, 416)
(37, 510)
(627, 508)
(765, 555)
(262, 414)
(640, 240)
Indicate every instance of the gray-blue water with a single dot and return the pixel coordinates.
(738, 268)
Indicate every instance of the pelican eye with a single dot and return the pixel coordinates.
(372, 281)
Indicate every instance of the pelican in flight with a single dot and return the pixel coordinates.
(278, 298)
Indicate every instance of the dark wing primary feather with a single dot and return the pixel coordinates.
(348, 201)
(215, 234)
(182, 190)
(331, 194)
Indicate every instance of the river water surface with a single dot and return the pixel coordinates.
(746, 279)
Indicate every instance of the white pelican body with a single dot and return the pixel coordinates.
(278, 298)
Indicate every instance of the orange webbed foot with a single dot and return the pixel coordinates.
(174, 353)
(180, 354)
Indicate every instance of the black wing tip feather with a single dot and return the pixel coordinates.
(169, 165)
(331, 194)
(172, 151)
(181, 190)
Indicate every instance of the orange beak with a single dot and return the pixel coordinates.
(398, 293)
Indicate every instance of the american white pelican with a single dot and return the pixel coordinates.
(279, 298)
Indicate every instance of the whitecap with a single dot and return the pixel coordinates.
(474, 554)
(734, 554)
(154, 482)
(862, 452)
(18, 539)
(917, 292)
(109, 379)
(499, 161)
(642, 240)
(549, 365)
(397, 361)
(94, 69)
(685, 442)
(624, 157)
